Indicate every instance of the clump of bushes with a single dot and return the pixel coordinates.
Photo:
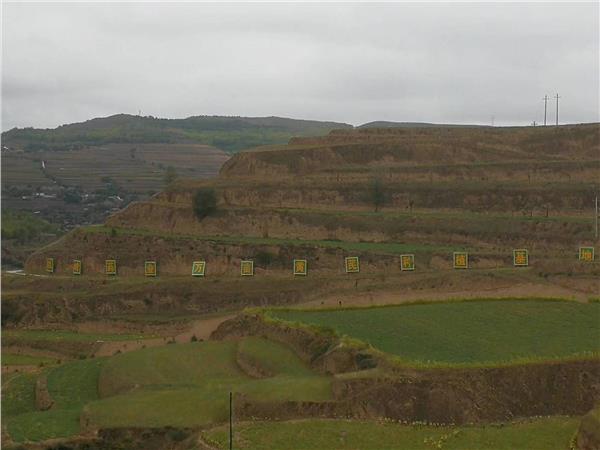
(204, 202)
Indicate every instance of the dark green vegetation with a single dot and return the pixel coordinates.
(227, 133)
(176, 385)
(22, 233)
(204, 202)
(24, 226)
(539, 434)
(468, 332)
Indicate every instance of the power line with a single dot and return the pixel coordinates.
(545, 107)
(557, 97)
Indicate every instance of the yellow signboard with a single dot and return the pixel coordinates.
(50, 265)
(150, 268)
(110, 266)
(520, 257)
(352, 264)
(407, 262)
(300, 267)
(461, 260)
(76, 267)
(586, 254)
(247, 268)
(198, 268)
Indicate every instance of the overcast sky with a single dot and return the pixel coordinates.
(355, 63)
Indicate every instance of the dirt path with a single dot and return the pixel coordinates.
(388, 297)
(201, 328)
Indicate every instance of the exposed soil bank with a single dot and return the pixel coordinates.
(450, 396)
(588, 435)
(121, 438)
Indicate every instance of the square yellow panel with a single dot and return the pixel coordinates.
(110, 266)
(50, 265)
(76, 267)
(407, 262)
(247, 268)
(352, 264)
(150, 268)
(586, 254)
(300, 267)
(520, 257)
(198, 268)
(461, 260)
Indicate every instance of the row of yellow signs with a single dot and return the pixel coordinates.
(351, 263)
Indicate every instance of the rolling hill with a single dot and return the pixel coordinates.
(230, 134)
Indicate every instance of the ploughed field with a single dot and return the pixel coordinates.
(486, 332)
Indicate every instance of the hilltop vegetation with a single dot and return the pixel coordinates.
(22, 233)
(231, 134)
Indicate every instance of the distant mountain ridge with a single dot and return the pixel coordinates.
(229, 133)
(387, 124)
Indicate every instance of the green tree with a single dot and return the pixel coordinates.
(204, 202)
(377, 194)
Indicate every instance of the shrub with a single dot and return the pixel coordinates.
(263, 258)
(204, 202)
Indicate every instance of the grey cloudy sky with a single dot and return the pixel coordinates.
(355, 63)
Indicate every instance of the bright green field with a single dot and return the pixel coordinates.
(177, 385)
(70, 385)
(467, 332)
(541, 434)
(189, 384)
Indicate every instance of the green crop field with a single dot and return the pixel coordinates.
(541, 434)
(70, 387)
(11, 359)
(393, 248)
(191, 383)
(467, 332)
(68, 336)
(173, 385)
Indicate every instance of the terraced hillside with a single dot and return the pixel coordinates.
(426, 191)
(370, 193)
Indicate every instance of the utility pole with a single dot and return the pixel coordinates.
(230, 420)
(596, 234)
(557, 97)
(545, 107)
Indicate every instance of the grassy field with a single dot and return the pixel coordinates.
(10, 359)
(178, 385)
(70, 385)
(68, 336)
(469, 332)
(191, 383)
(540, 434)
(392, 248)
